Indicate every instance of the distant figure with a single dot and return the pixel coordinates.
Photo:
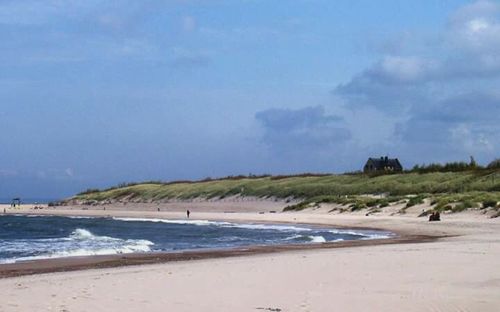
(435, 216)
(158, 208)
(431, 216)
(188, 213)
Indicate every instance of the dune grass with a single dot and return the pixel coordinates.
(446, 191)
(444, 187)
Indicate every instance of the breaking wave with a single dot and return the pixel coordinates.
(79, 243)
(30, 238)
(248, 226)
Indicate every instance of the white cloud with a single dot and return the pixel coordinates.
(405, 69)
(476, 28)
(446, 93)
(472, 141)
(470, 49)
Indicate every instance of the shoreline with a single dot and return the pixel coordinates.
(65, 264)
(68, 264)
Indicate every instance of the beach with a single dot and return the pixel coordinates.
(457, 271)
(252, 155)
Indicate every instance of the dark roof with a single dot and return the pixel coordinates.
(384, 162)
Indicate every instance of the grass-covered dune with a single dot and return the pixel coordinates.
(470, 188)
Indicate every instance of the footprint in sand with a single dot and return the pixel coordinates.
(21, 286)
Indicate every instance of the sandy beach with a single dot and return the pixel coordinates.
(456, 272)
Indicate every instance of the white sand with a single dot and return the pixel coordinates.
(453, 274)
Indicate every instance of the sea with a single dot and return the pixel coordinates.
(24, 238)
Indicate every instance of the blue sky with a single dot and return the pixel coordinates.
(98, 92)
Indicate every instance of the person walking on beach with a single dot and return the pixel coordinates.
(188, 213)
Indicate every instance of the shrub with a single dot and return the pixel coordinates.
(459, 207)
(468, 204)
(489, 203)
(494, 164)
(89, 191)
(456, 166)
(357, 206)
(383, 203)
(300, 206)
(417, 200)
(447, 207)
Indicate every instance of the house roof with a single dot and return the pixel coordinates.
(385, 162)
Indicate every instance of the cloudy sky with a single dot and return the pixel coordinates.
(98, 92)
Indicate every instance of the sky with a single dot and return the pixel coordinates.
(97, 92)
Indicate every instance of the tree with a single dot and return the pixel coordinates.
(472, 163)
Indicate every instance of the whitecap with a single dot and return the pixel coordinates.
(364, 235)
(285, 228)
(80, 242)
(250, 226)
(171, 221)
(317, 239)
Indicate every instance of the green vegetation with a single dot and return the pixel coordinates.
(463, 201)
(353, 202)
(455, 191)
(495, 164)
(89, 191)
(416, 200)
(457, 166)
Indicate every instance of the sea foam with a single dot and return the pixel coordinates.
(23, 238)
(250, 226)
(80, 242)
(362, 234)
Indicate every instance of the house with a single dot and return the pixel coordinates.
(382, 164)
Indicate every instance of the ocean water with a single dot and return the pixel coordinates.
(41, 237)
